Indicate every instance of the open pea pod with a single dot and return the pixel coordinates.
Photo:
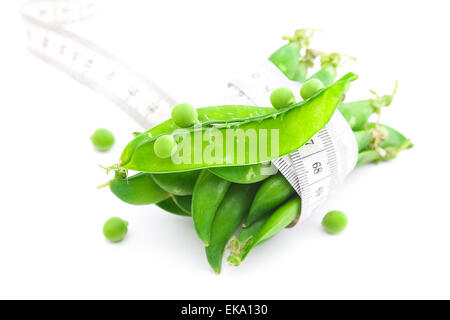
(291, 127)
(207, 114)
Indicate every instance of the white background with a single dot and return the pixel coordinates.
(51, 215)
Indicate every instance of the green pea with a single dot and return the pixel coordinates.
(115, 229)
(164, 146)
(335, 222)
(102, 139)
(310, 88)
(282, 97)
(184, 115)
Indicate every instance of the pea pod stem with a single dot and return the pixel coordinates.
(265, 229)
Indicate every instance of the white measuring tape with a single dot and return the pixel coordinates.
(313, 170)
(142, 99)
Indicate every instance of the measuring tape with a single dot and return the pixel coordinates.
(47, 38)
(314, 170)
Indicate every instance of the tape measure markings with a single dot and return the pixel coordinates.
(142, 99)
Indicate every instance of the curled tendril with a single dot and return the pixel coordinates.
(302, 36)
(334, 59)
(379, 102)
(119, 172)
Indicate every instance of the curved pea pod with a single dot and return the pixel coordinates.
(208, 193)
(184, 203)
(368, 156)
(139, 189)
(357, 113)
(326, 75)
(273, 192)
(363, 139)
(179, 184)
(169, 205)
(286, 59)
(302, 72)
(244, 174)
(207, 114)
(239, 247)
(277, 221)
(291, 127)
(227, 220)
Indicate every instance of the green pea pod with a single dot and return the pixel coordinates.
(326, 75)
(301, 72)
(228, 218)
(244, 174)
(179, 184)
(363, 139)
(209, 192)
(169, 205)
(215, 113)
(263, 230)
(139, 189)
(279, 220)
(286, 59)
(184, 203)
(357, 113)
(273, 192)
(368, 156)
(240, 247)
(294, 126)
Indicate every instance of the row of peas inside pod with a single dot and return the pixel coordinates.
(234, 202)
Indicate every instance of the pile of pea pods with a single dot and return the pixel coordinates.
(238, 206)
